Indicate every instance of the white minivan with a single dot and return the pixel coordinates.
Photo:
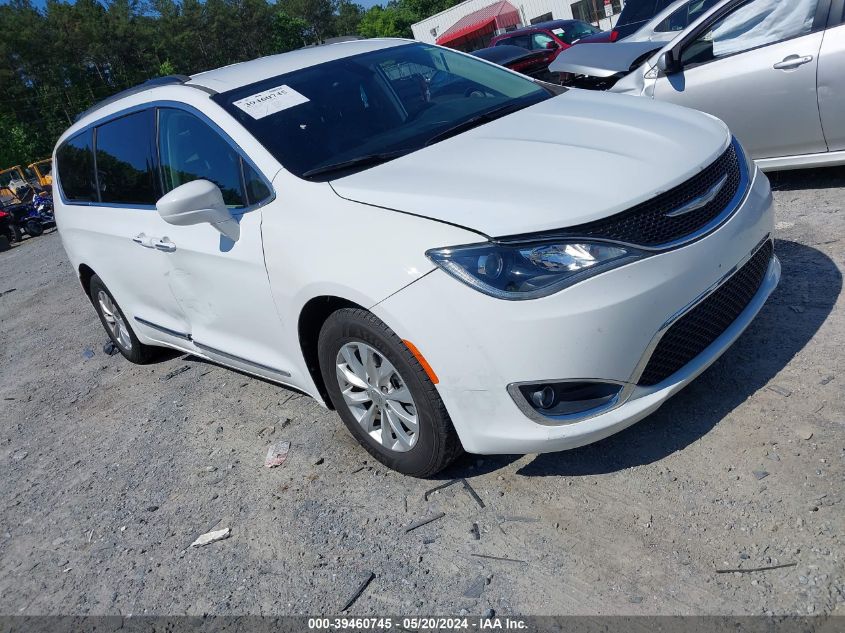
(451, 255)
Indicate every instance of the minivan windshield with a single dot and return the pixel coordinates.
(342, 116)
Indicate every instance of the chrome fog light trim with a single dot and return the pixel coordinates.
(556, 402)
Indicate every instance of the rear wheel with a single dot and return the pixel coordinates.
(384, 396)
(116, 324)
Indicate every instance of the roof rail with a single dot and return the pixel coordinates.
(168, 80)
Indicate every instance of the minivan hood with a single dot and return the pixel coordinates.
(571, 159)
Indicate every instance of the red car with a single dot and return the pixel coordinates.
(555, 36)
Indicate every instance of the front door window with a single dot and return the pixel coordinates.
(754, 24)
(191, 150)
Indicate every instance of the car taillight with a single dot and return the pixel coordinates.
(614, 35)
(3, 214)
(528, 63)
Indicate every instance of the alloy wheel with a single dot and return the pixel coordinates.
(114, 321)
(377, 396)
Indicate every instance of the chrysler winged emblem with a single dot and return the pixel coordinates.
(701, 201)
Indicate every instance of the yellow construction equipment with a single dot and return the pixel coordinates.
(13, 178)
(17, 185)
(43, 171)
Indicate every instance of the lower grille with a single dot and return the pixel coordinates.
(702, 325)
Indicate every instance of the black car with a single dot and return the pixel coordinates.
(532, 63)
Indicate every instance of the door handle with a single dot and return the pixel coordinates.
(164, 244)
(793, 61)
(144, 240)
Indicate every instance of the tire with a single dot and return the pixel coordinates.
(5, 243)
(435, 443)
(116, 324)
(34, 228)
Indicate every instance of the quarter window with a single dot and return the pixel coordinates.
(754, 24)
(256, 190)
(75, 163)
(125, 160)
(191, 150)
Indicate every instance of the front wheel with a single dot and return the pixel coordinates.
(34, 228)
(384, 395)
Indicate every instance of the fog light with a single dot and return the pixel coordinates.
(563, 400)
(544, 398)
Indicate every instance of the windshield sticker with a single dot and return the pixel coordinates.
(270, 101)
(558, 32)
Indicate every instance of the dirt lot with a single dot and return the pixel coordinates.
(111, 470)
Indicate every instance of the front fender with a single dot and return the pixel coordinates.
(317, 244)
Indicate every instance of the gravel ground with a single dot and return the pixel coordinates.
(111, 470)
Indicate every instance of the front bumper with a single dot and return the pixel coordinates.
(601, 329)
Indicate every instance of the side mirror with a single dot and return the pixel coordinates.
(197, 202)
(552, 46)
(667, 64)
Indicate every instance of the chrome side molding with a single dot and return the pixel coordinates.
(224, 358)
(248, 364)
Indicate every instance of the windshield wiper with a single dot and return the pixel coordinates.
(475, 121)
(358, 161)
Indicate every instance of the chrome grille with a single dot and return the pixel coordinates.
(648, 224)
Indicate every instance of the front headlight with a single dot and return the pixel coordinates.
(530, 270)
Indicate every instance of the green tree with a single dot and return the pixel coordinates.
(393, 20)
(319, 16)
(18, 146)
(166, 68)
(347, 17)
(425, 8)
(58, 60)
(289, 33)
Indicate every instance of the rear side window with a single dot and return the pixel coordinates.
(75, 162)
(190, 150)
(523, 41)
(125, 159)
